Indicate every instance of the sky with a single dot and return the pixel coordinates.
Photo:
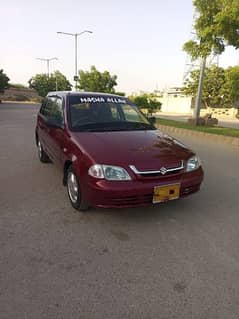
(139, 41)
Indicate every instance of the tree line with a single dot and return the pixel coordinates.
(89, 81)
(220, 88)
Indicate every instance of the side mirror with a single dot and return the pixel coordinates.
(152, 120)
(53, 123)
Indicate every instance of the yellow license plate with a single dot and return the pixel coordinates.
(165, 193)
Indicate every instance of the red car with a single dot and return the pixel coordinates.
(110, 154)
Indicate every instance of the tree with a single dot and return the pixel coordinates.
(3, 81)
(230, 90)
(120, 93)
(220, 87)
(216, 25)
(146, 101)
(214, 80)
(96, 81)
(44, 84)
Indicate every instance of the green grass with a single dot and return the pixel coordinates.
(213, 130)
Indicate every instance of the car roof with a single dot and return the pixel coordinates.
(69, 93)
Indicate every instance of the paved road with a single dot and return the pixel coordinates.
(183, 118)
(176, 260)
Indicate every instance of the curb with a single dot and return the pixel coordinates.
(213, 137)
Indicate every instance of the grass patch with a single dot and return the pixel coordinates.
(206, 129)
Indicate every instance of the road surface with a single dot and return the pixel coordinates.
(176, 260)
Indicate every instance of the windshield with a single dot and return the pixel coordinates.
(100, 114)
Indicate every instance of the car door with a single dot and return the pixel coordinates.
(42, 129)
(55, 134)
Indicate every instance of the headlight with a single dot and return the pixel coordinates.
(96, 171)
(111, 173)
(115, 173)
(193, 163)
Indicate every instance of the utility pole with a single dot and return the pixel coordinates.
(75, 35)
(198, 100)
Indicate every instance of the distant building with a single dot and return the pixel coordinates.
(175, 101)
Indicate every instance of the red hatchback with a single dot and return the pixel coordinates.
(110, 154)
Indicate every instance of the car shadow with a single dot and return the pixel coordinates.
(171, 210)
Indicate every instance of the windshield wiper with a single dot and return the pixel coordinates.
(101, 127)
(113, 126)
(142, 126)
(104, 129)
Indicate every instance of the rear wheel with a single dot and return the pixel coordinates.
(41, 153)
(74, 190)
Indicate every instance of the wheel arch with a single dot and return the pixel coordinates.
(36, 137)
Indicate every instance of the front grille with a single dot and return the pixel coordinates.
(160, 173)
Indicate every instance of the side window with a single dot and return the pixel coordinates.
(132, 115)
(57, 111)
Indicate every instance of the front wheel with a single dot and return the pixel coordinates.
(74, 190)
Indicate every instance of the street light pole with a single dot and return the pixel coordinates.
(76, 54)
(75, 35)
(48, 63)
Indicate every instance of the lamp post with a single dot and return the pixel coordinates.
(48, 62)
(75, 35)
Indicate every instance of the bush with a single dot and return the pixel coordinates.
(146, 102)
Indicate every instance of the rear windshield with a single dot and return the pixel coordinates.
(105, 114)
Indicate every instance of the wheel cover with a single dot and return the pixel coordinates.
(72, 187)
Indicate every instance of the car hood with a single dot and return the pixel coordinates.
(144, 149)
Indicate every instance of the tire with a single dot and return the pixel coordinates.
(74, 190)
(43, 157)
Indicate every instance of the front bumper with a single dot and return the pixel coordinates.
(134, 193)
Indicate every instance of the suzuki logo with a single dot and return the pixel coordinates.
(163, 170)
